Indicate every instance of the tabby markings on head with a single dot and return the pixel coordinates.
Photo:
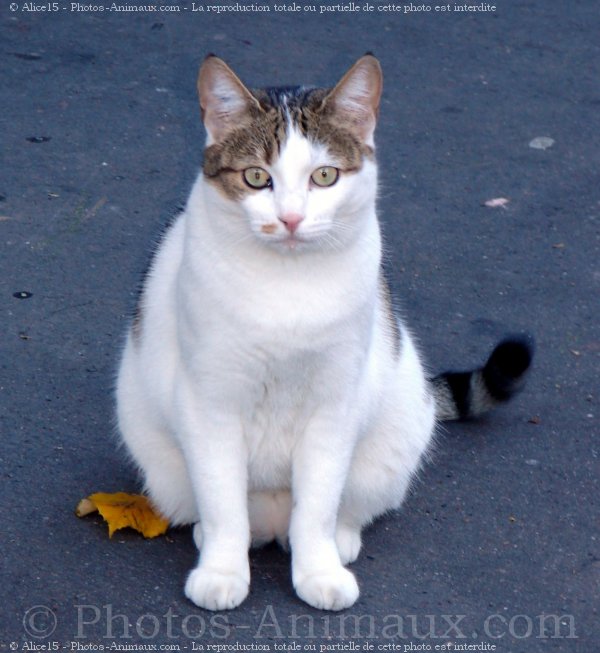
(263, 132)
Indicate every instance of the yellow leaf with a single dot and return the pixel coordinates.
(122, 510)
(85, 507)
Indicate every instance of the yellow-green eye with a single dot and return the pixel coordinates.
(257, 178)
(325, 176)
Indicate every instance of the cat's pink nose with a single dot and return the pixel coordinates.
(291, 221)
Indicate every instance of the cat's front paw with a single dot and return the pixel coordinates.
(215, 590)
(329, 590)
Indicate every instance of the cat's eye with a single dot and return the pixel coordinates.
(325, 176)
(257, 178)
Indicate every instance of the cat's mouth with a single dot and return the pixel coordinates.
(289, 242)
(293, 241)
(298, 240)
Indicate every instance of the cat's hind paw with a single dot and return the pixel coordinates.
(215, 590)
(329, 590)
(198, 535)
(348, 543)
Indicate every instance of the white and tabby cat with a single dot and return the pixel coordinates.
(266, 390)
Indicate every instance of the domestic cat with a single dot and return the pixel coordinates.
(266, 389)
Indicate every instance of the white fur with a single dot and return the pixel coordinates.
(265, 370)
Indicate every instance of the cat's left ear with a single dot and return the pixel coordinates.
(356, 97)
(224, 100)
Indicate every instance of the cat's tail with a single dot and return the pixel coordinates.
(461, 395)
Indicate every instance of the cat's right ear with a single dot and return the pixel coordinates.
(224, 100)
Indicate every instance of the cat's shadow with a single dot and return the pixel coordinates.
(270, 566)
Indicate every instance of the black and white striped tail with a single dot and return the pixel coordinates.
(461, 395)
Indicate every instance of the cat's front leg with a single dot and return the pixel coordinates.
(320, 467)
(214, 449)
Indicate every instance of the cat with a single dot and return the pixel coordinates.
(266, 389)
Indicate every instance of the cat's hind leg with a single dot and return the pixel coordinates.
(166, 479)
(383, 467)
(371, 490)
(156, 454)
(168, 485)
(348, 541)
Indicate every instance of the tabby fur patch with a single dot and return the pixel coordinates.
(262, 132)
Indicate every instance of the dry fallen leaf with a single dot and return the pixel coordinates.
(122, 510)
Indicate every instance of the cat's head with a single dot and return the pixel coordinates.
(294, 165)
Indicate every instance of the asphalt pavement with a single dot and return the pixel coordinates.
(497, 547)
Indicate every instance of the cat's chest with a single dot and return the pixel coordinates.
(275, 419)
